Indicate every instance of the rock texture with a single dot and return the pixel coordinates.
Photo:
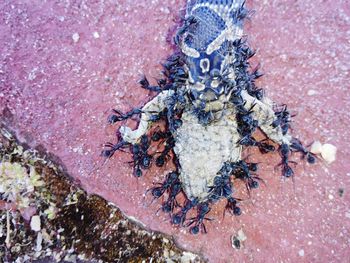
(65, 64)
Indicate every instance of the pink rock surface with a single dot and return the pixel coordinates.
(65, 64)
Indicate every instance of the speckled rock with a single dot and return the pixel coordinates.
(69, 225)
(56, 90)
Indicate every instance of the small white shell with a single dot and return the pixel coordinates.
(328, 152)
(316, 147)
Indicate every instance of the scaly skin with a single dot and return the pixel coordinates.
(211, 92)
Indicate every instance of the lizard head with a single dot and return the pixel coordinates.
(206, 41)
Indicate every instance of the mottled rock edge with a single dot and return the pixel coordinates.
(75, 227)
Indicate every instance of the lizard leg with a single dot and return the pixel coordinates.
(155, 106)
(262, 111)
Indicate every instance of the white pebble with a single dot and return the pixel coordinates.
(301, 252)
(330, 197)
(39, 241)
(316, 147)
(96, 35)
(328, 152)
(311, 92)
(241, 235)
(35, 223)
(165, 10)
(75, 37)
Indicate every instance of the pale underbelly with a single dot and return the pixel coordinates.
(202, 150)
